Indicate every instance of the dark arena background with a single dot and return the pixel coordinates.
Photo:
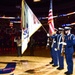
(12, 8)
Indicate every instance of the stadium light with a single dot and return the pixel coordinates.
(36, 0)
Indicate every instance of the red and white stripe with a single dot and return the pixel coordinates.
(50, 22)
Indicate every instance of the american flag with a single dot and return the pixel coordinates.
(50, 20)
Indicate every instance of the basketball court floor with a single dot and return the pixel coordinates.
(33, 65)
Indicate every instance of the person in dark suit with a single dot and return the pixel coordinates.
(70, 41)
(32, 45)
(19, 44)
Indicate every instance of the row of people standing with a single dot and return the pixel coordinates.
(62, 42)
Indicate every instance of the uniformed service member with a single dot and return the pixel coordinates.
(70, 41)
(54, 49)
(59, 48)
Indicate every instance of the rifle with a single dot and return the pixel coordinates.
(62, 42)
(63, 46)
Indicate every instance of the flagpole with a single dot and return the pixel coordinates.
(44, 29)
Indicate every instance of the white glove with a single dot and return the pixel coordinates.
(47, 44)
(55, 49)
(48, 34)
(54, 41)
(63, 43)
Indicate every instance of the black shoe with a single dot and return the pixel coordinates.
(54, 65)
(59, 68)
(67, 73)
(51, 62)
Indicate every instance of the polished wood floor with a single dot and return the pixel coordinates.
(33, 65)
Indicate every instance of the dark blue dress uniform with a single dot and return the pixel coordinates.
(54, 51)
(60, 58)
(70, 41)
(59, 47)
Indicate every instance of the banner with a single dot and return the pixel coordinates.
(30, 24)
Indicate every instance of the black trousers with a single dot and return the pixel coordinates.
(19, 50)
